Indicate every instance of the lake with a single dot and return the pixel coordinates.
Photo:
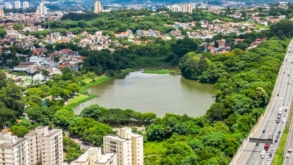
(158, 93)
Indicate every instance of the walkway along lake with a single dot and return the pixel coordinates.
(158, 93)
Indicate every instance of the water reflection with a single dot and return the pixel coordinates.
(160, 94)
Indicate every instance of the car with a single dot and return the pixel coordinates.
(288, 75)
(279, 132)
(278, 121)
(278, 136)
(285, 110)
(287, 155)
(278, 94)
(263, 131)
(270, 155)
(276, 141)
(257, 143)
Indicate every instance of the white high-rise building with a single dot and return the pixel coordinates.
(127, 145)
(185, 8)
(25, 5)
(17, 4)
(46, 146)
(42, 9)
(8, 5)
(13, 150)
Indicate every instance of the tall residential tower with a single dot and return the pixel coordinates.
(97, 7)
(25, 5)
(127, 145)
(42, 9)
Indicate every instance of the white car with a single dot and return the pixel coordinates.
(287, 155)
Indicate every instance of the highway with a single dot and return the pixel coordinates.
(289, 143)
(280, 101)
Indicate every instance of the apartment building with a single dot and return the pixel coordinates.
(127, 145)
(25, 4)
(13, 150)
(8, 5)
(17, 4)
(94, 156)
(42, 9)
(97, 7)
(46, 146)
(185, 8)
(1, 13)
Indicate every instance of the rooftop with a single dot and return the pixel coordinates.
(106, 157)
(116, 137)
(52, 132)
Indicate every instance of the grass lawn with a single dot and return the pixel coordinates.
(158, 71)
(262, 26)
(279, 155)
(258, 25)
(78, 98)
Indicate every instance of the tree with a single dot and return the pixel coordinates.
(45, 73)
(56, 59)
(2, 33)
(41, 115)
(71, 148)
(188, 160)
(91, 112)
(64, 118)
(90, 130)
(217, 112)
(155, 132)
(175, 153)
(17, 26)
(192, 65)
(19, 131)
(3, 80)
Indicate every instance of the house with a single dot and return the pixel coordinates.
(39, 60)
(29, 67)
(38, 77)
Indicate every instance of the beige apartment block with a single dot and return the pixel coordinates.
(97, 7)
(127, 145)
(46, 146)
(13, 150)
(94, 156)
(1, 13)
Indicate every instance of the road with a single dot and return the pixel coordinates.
(280, 101)
(289, 143)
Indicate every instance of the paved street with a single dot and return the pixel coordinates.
(289, 144)
(280, 101)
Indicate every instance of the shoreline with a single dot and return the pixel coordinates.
(159, 71)
(82, 90)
